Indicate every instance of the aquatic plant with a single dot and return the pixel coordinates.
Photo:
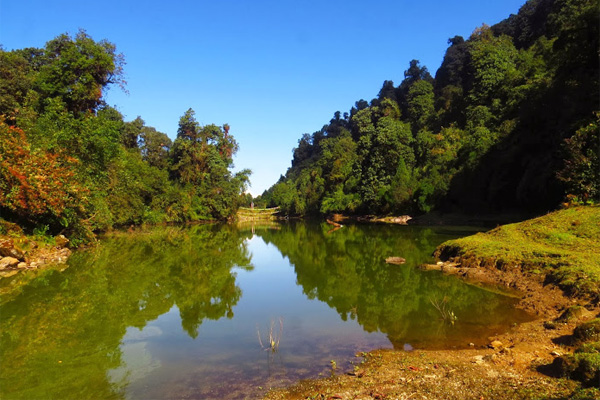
(447, 315)
(273, 337)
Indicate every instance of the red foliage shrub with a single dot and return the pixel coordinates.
(36, 184)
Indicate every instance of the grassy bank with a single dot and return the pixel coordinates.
(562, 245)
(255, 214)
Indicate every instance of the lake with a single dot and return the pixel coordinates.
(191, 312)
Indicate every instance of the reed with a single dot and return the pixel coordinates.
(447, 315)
(274, 338)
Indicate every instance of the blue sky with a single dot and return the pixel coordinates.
(273, 70)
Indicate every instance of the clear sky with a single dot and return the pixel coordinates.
(272, 69)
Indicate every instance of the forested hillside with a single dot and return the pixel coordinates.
(509, 122)
(69, 163)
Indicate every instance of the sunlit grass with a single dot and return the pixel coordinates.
(563, 244)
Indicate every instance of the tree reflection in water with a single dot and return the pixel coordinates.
(61, 327)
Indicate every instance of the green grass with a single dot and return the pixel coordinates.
(245, 213)
(564, 245)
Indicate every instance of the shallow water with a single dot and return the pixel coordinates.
(176, 313)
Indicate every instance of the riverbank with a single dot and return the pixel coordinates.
(20, 252)
(551, 260)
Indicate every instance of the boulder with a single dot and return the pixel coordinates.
(403, 219)
(496, 344)
(8, 249)
(7, 262)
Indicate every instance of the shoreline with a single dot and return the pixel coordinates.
(514, 364)
(529, 360)
(520, 359)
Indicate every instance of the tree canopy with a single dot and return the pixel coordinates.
(508, 124)
(71, 164)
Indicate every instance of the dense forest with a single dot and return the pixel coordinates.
(509, 122)
(69, 162)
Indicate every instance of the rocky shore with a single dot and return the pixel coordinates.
(22, 253)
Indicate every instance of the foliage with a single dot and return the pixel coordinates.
(67, 349)
(509, 120)
(584, 364)
(70, 162)
(36, 185)
(77, 70)
(582, 165)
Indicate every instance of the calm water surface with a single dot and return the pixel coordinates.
(176, 313)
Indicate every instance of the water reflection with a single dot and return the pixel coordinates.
(62, 332)
(173, 312)
(346, 270)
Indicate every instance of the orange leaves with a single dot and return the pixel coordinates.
(33, 182)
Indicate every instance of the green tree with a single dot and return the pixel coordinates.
(420, 100)
(155, 147)
(581, 172)
(78, 69)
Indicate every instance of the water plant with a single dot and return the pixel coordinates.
(447, 315)
(273, 337)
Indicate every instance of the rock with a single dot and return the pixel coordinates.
(8, 249)
(506, 350)
(61, 241)
(403, 219)
(471, 344)
(478, 359)
(587, 332)
(8, 262)
(496, 344)
(450, 269)
(8, 274)
(556, 353)
(430, 267)
(358, 373)
(395, 260)
(22, 265)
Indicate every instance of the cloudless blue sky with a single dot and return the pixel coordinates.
(272, 69)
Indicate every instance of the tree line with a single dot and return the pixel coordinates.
(69, 163)
(509, 123)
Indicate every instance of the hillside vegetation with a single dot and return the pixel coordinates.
(508, 123)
